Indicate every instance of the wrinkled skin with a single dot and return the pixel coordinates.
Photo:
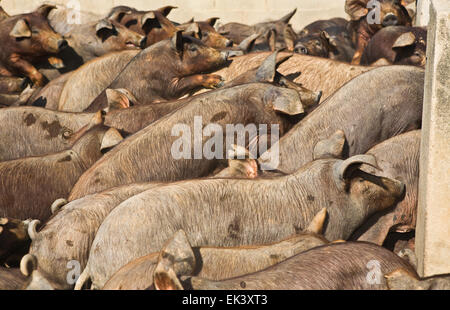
(398, 157)
(11, 279)
(405, 52)
(14, 241)
(33, 131)
(206, 32)
(342, 266)
(153, 24)
(221, 213)
(182, 59)
(68, 235)
(392, 13)
(133, 161)
(38, 181)
(382, 115)
(27, 38)
(315, 72)
(216, 263)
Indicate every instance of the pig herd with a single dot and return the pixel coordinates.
(93, 194)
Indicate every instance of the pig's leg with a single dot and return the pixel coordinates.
(28, 70)
(193, 82)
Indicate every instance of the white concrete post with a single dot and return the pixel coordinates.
(422, 13)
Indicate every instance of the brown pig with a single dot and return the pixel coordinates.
(34, 131)
(30, 185)
(206, 32)
(398, 157)
(48, 96)
(14, 241)
(182, 60)
(340, 266)
(221, 212)
(153, 24)
(11, 279)
(26, 38)
(364, 24)
(318, 26)
(64, 19)
(217, 263)
(398, 45)
(404, 279)
(12, 85)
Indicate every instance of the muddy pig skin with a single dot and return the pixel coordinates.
(381, 115)
(399, 159)
(68, 235)
(33, 131)
(28, 186)
(26, 38)
(341, 266)
(216, 263)
(221, 212)
(147, 155)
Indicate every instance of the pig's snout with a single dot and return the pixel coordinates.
(390, 20)
(143, 43)
(62, 44)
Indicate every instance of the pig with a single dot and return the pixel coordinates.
(68, 235)
(138, 275)
(153, 24)
(14, 241)
(37, 181)
(10, 85)
(221, 212)
(391, 13)
(381, 115)
(398, 45)
(49, 95)
(11, 279)
(250, 104)
(34, 131)
(64, 19)
(3, 14)
(340, 266)
(398, 157)
(318, 26)
(26, 38)
(404, 279)
(315, 72)
(181, 58)
(204, 31)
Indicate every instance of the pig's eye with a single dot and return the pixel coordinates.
(192, 48)
(34, 31)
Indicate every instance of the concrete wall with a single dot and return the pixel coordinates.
(245, 11)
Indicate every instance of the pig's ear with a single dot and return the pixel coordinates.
(165, 10)
(285, 19)
(118, 14)
(329, 39)
(104, 29)
(192, 30)
(356, 8)
(165, 278)
(249, 43)
(316, 225)
(266, 72)
(147, 17)
(178, 254)
(289, 37)
(332, 147)
(272, 39)
(21, 30)
(289, 104)
(3, 14)
(344, 170)
(401, 279)
(404, 40)
(45, 9)
(118, 99)
(110, 139)
(212, 21)
(28, 264)
(178, 42)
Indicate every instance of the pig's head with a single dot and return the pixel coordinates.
(14, 240)
(392, 12)
(116, 37)
(410, 48)
(33, 35)
(36, 280)
(315, 45)
(205, 32)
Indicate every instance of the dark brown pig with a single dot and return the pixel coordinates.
(398, 158)
(11, 279)
(206, 32)
(221, 212)
(381, 115)
(315, 72)
(318, 26)
(364, 22)
(398, 45)
(68, 235)
(34, 131)
(167, 70)
(153, 24)
(30, 185)
(14, 241)
(26, 38)
(216, 263)
(341, 266)
(250, 105)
